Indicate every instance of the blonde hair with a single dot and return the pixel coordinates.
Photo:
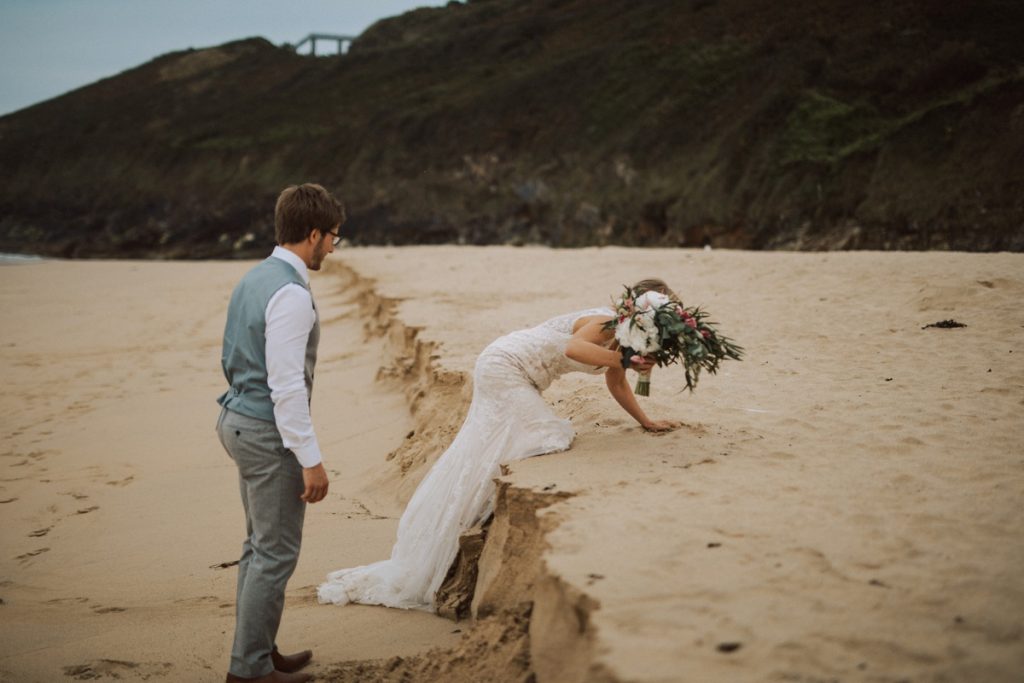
(654, 284)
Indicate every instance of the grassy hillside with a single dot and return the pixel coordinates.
(741, 123)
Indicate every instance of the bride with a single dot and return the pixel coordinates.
(507, 421)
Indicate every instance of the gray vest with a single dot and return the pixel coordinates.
(244, 355)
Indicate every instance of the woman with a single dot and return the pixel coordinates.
(507, 421)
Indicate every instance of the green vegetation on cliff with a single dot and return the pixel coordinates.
(739, 123)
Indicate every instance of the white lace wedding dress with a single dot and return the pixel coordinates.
(507, 420)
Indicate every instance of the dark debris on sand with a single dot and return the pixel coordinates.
(945, 324)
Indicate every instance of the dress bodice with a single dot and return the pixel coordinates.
(539, 352)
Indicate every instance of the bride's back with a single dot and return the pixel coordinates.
(535, 354)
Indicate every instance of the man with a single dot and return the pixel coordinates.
(269, 352)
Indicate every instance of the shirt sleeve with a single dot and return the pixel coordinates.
(290, 318)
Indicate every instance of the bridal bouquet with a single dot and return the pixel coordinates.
(652, 325)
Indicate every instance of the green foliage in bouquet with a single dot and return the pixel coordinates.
(651, 325)
(697, 344)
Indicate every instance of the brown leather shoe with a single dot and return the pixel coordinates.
(272, 677)
(290, 663)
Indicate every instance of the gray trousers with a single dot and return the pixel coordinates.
(270, 479)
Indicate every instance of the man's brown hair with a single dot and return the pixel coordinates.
(303, 208)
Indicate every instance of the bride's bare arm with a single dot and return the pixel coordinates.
(620, 390)
(587, 347)
(587, 344)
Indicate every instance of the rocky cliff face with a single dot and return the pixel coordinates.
(736, 123)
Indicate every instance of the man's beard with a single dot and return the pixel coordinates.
(319, 253)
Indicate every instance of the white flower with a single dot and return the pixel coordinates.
(622, 333)
(630, 336)
(646, 319)
(639, 333)
(652, 340)
(650, 300)
(638, 339)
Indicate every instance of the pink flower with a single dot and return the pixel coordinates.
(691, 323)
(706, 334)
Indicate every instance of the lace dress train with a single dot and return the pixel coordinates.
(508, 420)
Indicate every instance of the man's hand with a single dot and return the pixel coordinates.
(315, 479)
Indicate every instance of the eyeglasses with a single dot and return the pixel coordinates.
(337, 238)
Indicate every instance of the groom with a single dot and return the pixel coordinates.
(269, 352)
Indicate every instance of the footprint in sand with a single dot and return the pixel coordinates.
(779, 455)
(107, 610)
(705, 461)
(31, 554)
(38, 533)
(65, 601)
(200, 600)
(364, 511)
(116, 668)
(122, 482)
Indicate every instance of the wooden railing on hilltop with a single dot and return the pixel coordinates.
(343, 42)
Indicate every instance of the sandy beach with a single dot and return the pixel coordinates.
(843, 505)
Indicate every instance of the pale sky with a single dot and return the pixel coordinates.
(48, 47)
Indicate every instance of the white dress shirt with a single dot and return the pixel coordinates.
(290, 318)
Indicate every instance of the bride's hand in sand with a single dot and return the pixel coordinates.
(662, 426)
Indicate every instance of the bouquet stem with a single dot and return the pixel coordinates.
(643, 384)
